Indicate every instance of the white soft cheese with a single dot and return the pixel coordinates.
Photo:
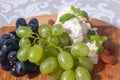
(77, 30)
(92, 54)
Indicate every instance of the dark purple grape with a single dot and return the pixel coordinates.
(12, 56)
(2, 60)
(31, 67)
(5, 65)
(3, 38)
(2, 56)
(13, 71)
(2, 53)
(21, 22)
(33, 24)
(5, 49)
(21, 68)
(11, 44)
(13, 36)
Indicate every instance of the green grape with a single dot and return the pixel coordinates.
(44, 56)
(54, 40)
(51, 52)
(35, 53)
(48, 65)
(65, 60)
(86, 63)
(68, 75)
(80, 49)
(64, 38)
(23, 31)
(23, 52)
(57, 30)
(44, 30)
(24, 41)
(55, 75)
(74, 55)
(82, 74)
(43, 43)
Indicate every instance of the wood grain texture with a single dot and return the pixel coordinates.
(108, 72)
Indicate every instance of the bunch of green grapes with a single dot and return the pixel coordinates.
(52, 49)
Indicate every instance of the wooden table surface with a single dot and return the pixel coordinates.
(109, 72)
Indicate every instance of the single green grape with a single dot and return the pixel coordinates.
(55, 75)
(44, 56)
(35, 53)
(82, 74)
(65, 60)
(68, 75)
(48, 65)
(64, 39)
(57, 30)
(80, 49)
(23, 52)
(51, 52)
(86, 63)
(24, 41)
(74, 55)
(44, 30)
(54, 40)
(23, 31)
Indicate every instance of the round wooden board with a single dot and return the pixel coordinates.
(109, 72)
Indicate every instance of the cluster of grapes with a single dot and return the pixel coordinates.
(47, 49)
(8, 48)
(51, 49)
(9, 45)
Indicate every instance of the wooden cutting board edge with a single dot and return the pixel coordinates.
(53, 16)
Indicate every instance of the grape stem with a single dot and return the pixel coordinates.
(38, 37)
(30, 36)
(50, 44)
(48, 41)
(34, 41)
(36, 34)
(55, 46)
(67, 47)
